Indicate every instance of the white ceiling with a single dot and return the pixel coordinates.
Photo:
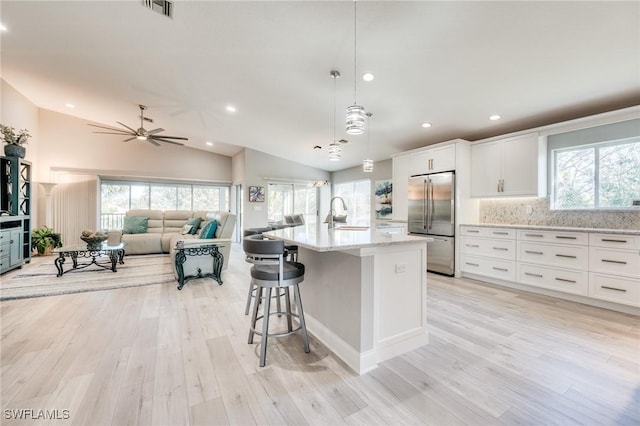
(449, 63)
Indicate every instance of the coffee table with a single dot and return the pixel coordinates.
(111, 254)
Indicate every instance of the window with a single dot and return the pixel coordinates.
(118, 197)
(597, 176)
(288, 198)
(357, 196)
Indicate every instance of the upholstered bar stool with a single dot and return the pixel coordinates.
(252, 288)
(271, 271)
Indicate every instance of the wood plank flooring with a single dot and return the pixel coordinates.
(155, 355)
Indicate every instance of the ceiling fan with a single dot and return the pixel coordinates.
(150, 136)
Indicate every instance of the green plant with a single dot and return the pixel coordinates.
(14, 137)
(44, 237)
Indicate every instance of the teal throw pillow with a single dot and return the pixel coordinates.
(195, 224)
(135, 225)
(209, 230)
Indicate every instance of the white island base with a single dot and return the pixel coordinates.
(367, 302)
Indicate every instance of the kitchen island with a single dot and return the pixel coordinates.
(364, 293)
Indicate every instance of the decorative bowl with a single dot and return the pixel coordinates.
(94, 242)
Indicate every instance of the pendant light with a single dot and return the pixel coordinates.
(335, 150)
(317, 183)
(355, 113)
(367, 163)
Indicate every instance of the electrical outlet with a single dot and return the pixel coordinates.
(401, 268)
(529, 209)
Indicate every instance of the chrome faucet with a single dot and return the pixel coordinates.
(330, 216)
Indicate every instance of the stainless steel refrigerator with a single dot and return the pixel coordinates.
(432, 213)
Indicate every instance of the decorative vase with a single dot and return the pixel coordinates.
(14, 150)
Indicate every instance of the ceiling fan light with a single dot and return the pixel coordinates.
(335, 152)
(141, 137)
(367, 165)
(355, 119)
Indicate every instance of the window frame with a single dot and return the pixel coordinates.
(293, 186)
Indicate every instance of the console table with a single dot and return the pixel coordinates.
(209, 249)
(115, 255)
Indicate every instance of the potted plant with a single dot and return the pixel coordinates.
(44, 240)
(14, 141)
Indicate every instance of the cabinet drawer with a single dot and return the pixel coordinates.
(480, 231)
(502, 269)
(616, 262)
(567, 281)
(616, 241)
(565, 256)
(614, 289)
(499, 248)
(574, 238)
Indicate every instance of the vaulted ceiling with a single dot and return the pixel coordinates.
(451, 64)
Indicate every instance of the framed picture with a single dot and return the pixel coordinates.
(256, 193)
(384, 198)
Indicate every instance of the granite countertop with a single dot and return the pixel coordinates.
(320, 238)
(558, 228)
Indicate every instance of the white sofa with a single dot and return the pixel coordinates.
(164, 231)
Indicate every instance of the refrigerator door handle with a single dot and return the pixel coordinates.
(433, 209)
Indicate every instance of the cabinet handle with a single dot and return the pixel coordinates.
(533, 252)
(500, 248)
(620, 262)
(533, 275)
(500, 233)
(565, 280)
(566, 255)
(472, 264)
(608, 240)
(472, 245)
(613, 288)
(564, 237)
(475, 231)
(534, 235)
(10, 241)
(500, 269)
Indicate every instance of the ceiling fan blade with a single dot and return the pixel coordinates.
(150, 140)
(132, 130)
(123, 133)
(171, 137)
(130, 139)
(106, 127)
(154, 131)
(155, 138)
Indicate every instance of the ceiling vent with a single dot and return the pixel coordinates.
(163, 7)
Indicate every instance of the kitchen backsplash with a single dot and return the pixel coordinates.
(536, 211)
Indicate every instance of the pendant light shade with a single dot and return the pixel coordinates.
(335, 151)
(367, 163)
(355, 118)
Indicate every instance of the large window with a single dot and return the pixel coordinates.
(117, 197)
(597, 176)
(357, 196)
(289, 198)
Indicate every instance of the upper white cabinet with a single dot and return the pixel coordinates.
(508, 167)
(433, 160)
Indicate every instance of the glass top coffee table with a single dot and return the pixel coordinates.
(105, 256)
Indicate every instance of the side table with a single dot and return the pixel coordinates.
(210, 249)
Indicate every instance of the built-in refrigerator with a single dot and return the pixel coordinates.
(432, 214)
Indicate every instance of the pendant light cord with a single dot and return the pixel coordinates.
(334, 108)
(355, 41)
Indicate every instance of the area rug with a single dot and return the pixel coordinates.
(37, 280)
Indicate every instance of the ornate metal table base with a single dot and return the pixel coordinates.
(216, 257)
(115, 255)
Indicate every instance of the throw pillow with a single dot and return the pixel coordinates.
(195, 224)
(186, 229)
(135, 225)
(209, 230)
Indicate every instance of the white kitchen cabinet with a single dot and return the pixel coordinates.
(508, 167)
(433, 160)
(400, 188)
(489, 252)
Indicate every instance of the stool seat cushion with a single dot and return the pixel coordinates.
(270, 272)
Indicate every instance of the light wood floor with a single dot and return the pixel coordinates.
(155, 355)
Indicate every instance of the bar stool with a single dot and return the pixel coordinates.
(270, 271)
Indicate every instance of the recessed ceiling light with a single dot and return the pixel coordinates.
(495, 117)
(368, 76)
(3, 28)
(426, 125)
(209, 143)
(69, 105)
(231, 108)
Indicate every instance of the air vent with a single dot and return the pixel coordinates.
(163, 7)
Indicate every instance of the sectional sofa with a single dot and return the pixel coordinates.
(165, 228)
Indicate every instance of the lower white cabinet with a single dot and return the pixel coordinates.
(589, 264)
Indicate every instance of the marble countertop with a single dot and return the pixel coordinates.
(320, 238)
(558, 228)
